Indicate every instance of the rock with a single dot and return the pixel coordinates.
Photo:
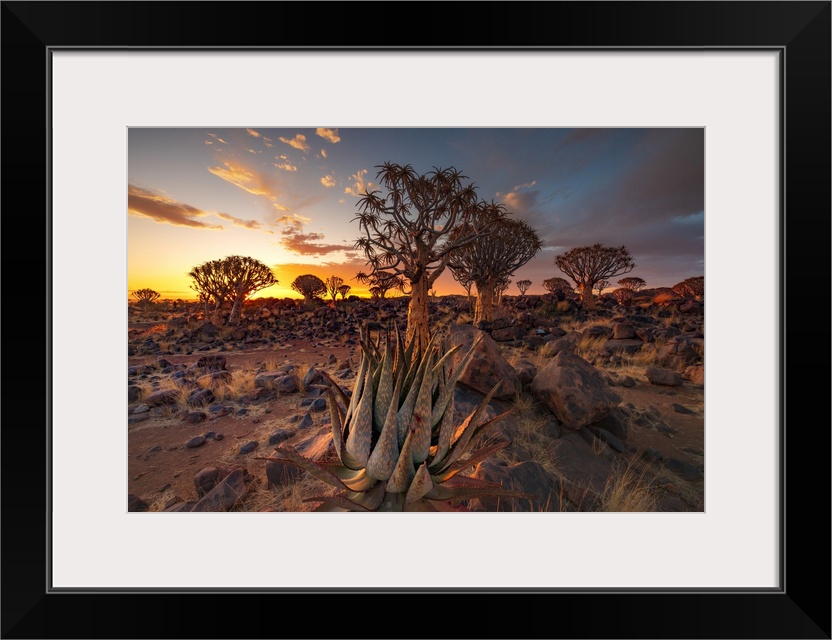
(211, 363)
(200, 397)
(225, 495)
(305, 422)
(266, 379)
(279, 473)
(623, 331)
(504, 334)
(583, 474)
(280, 435)
(597, 331)
(527, 477)
(206, 479)
(663, 377)
(614, 423)
(526, 371)
(162, 397)
(259, 396)
(622, 346)
(651, 455)
(318, 405)
(695, 373)
(486, 367)
(135, 503)
(574, 390)
(213, 379)
(195, 417)
(248, 447)
(677, 354)
(180, 506)
(142, 408)
(678, 408)
(690, 306)
(551, 430)
(196, 441)
(606, 436)
(683, 469)
(313, 376)
(287, 384)
(134, 394)
(626, 381)
(313, 443)
(554, 347)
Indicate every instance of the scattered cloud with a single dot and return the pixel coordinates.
(298, 142)
(328, 181)
(161, 208)
(252, 151)
(323, 152)
(252, 132)
(248, 180)
(285, 166)
(358, 185)
(296, 240)
(328, 134)
(217, 138)
(248, 224)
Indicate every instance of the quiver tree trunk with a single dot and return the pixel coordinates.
(587, 299)
(418, 315)
(485, 304)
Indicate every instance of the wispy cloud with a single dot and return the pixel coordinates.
(252, 132)
(358, 185)
(285, 166)
(248, 224)
(323, 152)
(295, 239)
(217, 138)
(328, 134)
(161, 208)
(298, 142)
(328, 181)
(248, 180)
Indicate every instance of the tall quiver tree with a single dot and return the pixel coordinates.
(246, 276)
(407, 232)
(146, 297)
(589, 265)
(210, 283)
(333, 283)
(489, 260)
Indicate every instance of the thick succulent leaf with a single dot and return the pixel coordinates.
(466, 481)
(369, 499)
(420, 486)
(392, 502)
(285, 454)
(447, 393)
(357, 392)
(386, 450)
(339, 502)
(336, 388)
(404, 472)
(477, 456)
(406, 408)
(360, 437)
(459, 443)
(470, 436)
(336, 419)
(446, 430)
(354, 479)
(384, 390)
(420, 420)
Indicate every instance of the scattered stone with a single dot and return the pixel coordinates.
(241, 411)
(683, 469)
(527, 477)
(195, 417)
(225, 495)
(287, 384)
(134, 503)
(678, 408)
(162, 397)
(551, 430)
(664, 377)
(266, 379)
(651, 455)
(200, 397)
(623, 331)
(695, 373)
(281, 435)
(280, 473)
(319, 404)
(615, 423)
(154, 448)
(526, 371)
(134, 394)
(196, 441)
(142, 408)
(305, 422)
(248, 447)
(486, 367)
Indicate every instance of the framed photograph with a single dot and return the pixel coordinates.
(89, 87)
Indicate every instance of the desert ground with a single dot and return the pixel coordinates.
(208, 402)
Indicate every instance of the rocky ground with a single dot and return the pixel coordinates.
(608, 407)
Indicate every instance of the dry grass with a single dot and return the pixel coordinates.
(628, 490)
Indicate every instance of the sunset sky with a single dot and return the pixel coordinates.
(287, 197)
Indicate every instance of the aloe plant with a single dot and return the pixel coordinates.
(398, 446)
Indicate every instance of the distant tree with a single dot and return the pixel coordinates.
(523, 285)
(344, 289)
(406, 232)
(309, 286)
(247, 276)
(557, 286)
(601, 285)
(632, 283)
(230, 280)
(380, 282)
(588, 265)
(146, 297)
(691, 287)
(500, 288)
(493, 257)
(624, 296)
(333, 283)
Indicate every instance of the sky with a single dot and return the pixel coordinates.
(287, 197)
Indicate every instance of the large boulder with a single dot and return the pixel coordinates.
(225, 494)
(527, 477)
(486, 367)
(574, 390)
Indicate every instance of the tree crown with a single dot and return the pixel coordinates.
(587, 265)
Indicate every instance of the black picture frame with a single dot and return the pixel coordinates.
(799, 31)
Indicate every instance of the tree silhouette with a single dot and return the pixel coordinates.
(601, 285)
(500, 288)
(588, 265)
(232, 279)
(380, 282)
(146, 297)
(492, 257)
(406, 232)
(333, 283)
(344, 289)
(691, 287)
(309, 286)
(557, 286)
(632, 283)
(523, 285)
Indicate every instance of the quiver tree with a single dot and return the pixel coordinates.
(333, 283)
(490, 259)
(691, 287)
(210, 281)
(309, 286)
(344, 289)
(407, 232)
(589, 265)
(601, 285)
(632, 283)
(146, 297)
(380, 282)
(247, 276)
(557, 287)
(523, 285)
(500, 288)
